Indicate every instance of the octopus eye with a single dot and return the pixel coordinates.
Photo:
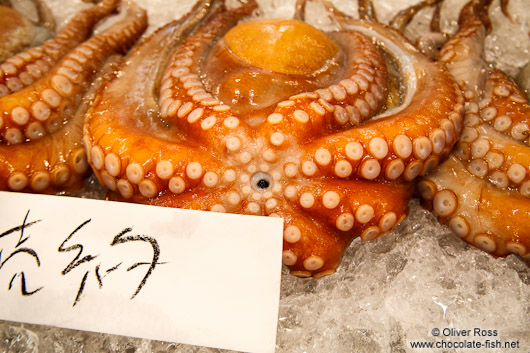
(263, 184)
(261, 181)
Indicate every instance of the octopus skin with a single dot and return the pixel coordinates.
(24, 24)
(16, 34)
(482, 191)
(25, 67)
(209, 115)
(41, 148)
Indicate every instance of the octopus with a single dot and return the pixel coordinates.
(45, 92)
(328, 131)
(482, 191)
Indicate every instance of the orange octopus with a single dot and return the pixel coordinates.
(210, 115)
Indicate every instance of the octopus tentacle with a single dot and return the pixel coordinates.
(462, 52)
(505, 107)
(494, 141)
(45, 106)
(482, 190)
(409, 139)
(299, 10)
(488, 154)
(16, 34)
(304, 252)
(344, 210)
(184, 100)
(504, 9)
(428, 43)
(198, 198)
(122, 168)
(486, 221)
(367, 10)
(57, 161)
(403, 18)
(24, 68)
(24, 24)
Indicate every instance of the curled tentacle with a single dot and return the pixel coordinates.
(45, 106)
(151, 164)
(477, 211)
(42, 124)
(57, 161)
(357, 95)
(185, 102)
(24, 68)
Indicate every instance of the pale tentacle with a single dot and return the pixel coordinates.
(403, 17)
(428, 43)
(494, 141)
(367, 10)
(299, 10)
(24, 68)
(49, 102)
(482, 191)
(490, 155)
(462, 52)
(25, 24)
(505, 107)
(16, 34)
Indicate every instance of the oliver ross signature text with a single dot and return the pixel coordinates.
(476, 332)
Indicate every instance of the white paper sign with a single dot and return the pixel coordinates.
(193, 277)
